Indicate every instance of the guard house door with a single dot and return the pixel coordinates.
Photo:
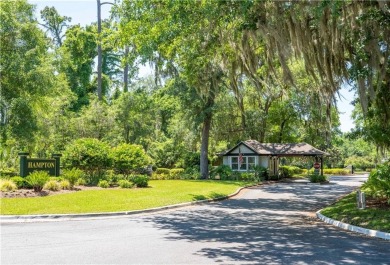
(273, 165)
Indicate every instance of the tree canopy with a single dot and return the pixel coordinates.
(223, 71)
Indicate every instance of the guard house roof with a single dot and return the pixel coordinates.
(277, 149)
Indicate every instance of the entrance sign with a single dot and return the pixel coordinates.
(29, 165)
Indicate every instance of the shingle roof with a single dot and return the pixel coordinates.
(292, 149)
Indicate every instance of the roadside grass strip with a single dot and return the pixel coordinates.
(159, 193)
(346, 211)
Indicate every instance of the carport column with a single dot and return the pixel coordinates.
(322, 165)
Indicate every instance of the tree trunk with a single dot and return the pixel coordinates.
(126, 71)
(281, 131)
(99, 48)
(204, 149)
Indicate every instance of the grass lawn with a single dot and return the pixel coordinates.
(159, 193)
(346, 211)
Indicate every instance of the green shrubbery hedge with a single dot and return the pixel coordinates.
(289, 171)
(378, 183)
(336, 171)
(141, 181)
(128, 158)
(21, 182)
(166, 173)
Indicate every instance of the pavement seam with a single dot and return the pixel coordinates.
(68, 217)
(353, 228)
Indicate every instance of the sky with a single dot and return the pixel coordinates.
(85, 12)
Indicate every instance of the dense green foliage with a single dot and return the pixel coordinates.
(90, 155)
(378, 183)
(289, 171)
(72, 175)
(20, 182)
(129, 158)
(141, 181)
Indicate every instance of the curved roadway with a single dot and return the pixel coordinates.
(270, 224)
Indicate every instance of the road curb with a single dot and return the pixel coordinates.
(68, 217)
(356, 229)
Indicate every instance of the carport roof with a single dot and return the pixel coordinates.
(278, 149)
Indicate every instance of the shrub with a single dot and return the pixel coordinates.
(161, 170)
(289, 171)
(37, 179)
(161, 173)
(378, 183)
(248, 176)
(90, 155)
(7, 185)
(103, 184)
(175, 173)
(115, 178)
(128, 158)
(73, 175)
(8, 172)
(81, 182)
(141, 181)
(336, 171)
(317, 178)
(223, 171)
(191, 173)
(191, 160)
(52, 185)
(65, 185)
(125, 184)
(261, 173)
(20, 182)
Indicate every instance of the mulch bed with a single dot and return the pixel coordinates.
(28, 193)
(377, 204)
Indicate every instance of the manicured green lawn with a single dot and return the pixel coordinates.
(346, 211)
(159, 193)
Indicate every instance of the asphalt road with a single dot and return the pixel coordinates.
(271, 224)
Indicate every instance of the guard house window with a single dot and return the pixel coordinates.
(235, 163)
(248, 162)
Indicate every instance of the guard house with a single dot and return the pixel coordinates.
(247, 154)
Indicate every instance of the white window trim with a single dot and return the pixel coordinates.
(247, 165)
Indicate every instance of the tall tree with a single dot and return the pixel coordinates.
(184, 34)
(55, 24)
(25, 70)
(77, 58)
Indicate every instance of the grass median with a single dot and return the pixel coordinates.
(375, 217)
(159, 193)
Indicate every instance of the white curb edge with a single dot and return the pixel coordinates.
(356, 229)
(105, 215)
